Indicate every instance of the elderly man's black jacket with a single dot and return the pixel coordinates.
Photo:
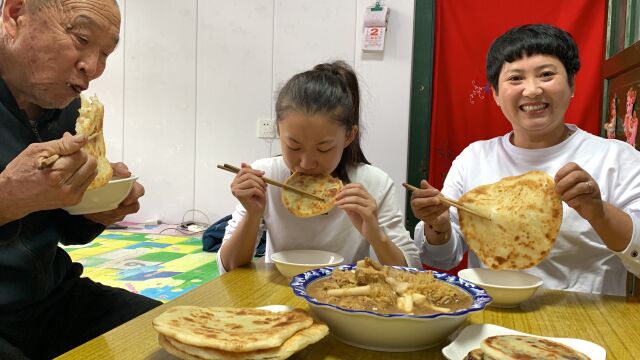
(32, 265)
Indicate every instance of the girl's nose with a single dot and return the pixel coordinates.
(307, 162)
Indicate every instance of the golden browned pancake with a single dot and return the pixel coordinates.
(526, 214)
(230, 329)
(298, 341)
(300, 205)
(89, 122)
(513, 347)
(475, 354)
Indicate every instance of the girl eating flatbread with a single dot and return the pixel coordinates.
(318, 119)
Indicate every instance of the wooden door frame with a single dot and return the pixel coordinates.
(421, 90)
(617, 64)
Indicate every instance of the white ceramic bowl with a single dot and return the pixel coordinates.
(388, 332)
(294, 262)
(104, 198)
(508, 288)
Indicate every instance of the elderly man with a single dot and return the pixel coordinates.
(49, 52)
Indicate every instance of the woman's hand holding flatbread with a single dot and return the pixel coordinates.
(580, 191)
(250, 189)
(130, 205)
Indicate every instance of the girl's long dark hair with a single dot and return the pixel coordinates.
(330, 89)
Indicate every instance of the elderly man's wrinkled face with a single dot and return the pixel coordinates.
(62, 49)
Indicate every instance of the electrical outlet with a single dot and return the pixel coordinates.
(266, 128)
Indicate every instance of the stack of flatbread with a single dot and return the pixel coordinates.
(89, 122)
(191, 332)
(300, 205)
(513, 347)
(525, 213)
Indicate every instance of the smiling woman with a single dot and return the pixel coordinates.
(531, 70)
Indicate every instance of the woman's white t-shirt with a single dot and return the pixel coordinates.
(579, 260)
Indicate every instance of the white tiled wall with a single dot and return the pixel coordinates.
(190, 78)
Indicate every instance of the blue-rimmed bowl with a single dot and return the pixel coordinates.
(388, 332)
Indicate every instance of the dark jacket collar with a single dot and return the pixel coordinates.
(7, 99)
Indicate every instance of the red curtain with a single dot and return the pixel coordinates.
(463, 109)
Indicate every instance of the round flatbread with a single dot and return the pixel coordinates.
(526, 214)
(230, 329)
(510, 347)
(300, 205)
(475, 354)
(89, 122)
(297, 342)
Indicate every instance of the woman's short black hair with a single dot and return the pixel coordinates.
(528, 40)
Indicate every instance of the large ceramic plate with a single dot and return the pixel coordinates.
(472, 335)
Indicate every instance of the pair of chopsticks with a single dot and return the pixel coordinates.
(235, 170)
(450, 202)
(48, 161)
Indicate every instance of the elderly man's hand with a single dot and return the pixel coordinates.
(26, 188)
(129, 205)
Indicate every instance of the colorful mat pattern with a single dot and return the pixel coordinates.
(161, 267)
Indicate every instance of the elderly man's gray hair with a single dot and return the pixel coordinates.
(39, 3)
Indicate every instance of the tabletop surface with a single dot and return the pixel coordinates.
(610, 321)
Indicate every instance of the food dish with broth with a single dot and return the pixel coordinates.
(399, 331)
(386, 290)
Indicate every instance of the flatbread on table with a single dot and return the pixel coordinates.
(509, 347)
(230, 329)
(90, 122)
(300, 205)
(295, 343)
(526, 214)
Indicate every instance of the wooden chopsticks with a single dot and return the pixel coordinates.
(235, 170)
(48, 161)
(450, 202)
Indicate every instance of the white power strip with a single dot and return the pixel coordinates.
(196, 228)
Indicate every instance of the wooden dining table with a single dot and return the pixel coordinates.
(610, 321)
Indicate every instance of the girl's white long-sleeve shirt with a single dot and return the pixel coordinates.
(579, 260)
(332, 231)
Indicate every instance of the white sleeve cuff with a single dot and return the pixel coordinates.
(221, 269)
(438, 256)
(631, 255)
